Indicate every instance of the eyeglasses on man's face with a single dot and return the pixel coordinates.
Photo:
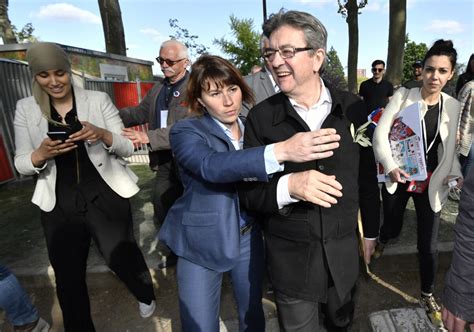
(285, 53)
(377, 70)
(168, 61)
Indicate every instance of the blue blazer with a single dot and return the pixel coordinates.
(203, 225)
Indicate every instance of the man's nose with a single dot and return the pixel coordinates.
(277, 60)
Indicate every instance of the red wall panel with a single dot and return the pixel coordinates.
(126, 95)
(145, 87)
(6, 172)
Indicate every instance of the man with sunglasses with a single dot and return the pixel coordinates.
(161, 108)
(376, 91)
(309, 211)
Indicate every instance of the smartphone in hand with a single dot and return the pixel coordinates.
(58, 135)
(64, 134)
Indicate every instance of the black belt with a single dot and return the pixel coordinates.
(247, 228)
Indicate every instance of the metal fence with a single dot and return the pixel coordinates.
(15, 84)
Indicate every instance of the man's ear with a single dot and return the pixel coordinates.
(318, 59)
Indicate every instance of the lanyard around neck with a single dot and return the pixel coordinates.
(440, 108)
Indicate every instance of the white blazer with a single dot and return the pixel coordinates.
(448, 163)
(92, 106)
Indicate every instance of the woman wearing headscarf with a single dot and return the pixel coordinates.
(69, 138)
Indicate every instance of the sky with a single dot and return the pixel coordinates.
(146, 23)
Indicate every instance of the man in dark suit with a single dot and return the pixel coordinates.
(162, 107)
(310, 209)
(262, 82)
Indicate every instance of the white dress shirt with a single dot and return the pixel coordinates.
(314, 118)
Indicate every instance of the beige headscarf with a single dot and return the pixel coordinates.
(42, 57)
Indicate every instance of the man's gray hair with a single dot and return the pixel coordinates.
(263, 39)
(315, 33)
(183, 50)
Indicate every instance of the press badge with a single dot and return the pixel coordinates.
(163, 118)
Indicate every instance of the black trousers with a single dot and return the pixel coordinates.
(296, 315)
(427, 229)
(79, 216)
(167, 190)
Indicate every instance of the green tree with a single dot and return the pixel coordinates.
(25, 35)
(396, 36)
(413, 52)
(349, 9)
(184, 36)
(244, 52)
(333, 71)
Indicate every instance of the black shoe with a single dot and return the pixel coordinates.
(168, 261)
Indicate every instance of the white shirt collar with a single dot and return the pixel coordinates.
(274, 84)
(316, 114)
(238, 145)
(325, 97)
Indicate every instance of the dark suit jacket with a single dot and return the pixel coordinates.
(203, 224)
(145, 112)
(261, 86)
(306, 244)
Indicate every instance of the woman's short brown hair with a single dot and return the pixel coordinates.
(210, 69)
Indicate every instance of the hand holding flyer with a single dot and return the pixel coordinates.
(406, 143)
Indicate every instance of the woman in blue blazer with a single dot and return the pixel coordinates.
(206, 226)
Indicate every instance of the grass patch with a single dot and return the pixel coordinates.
(22, 234)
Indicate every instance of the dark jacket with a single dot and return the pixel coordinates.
(307, 244)
(145, 112)
(458, 295)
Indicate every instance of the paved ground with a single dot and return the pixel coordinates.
(114, 309)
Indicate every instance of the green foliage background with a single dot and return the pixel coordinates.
(244, 50)
(413, 52)
(334, 71)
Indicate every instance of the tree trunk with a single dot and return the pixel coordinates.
(113, 26)
(396, 41)
(6, 31)
(353, 28)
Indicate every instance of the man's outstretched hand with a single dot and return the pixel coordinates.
(307, 146)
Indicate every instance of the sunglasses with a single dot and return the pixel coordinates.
(377, 70)
(168, 61)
